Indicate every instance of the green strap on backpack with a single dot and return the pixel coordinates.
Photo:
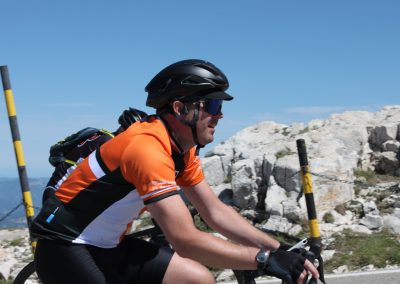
(59, 150)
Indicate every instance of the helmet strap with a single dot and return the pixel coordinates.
(172, 133)
(192, 124)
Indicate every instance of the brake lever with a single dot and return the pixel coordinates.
(315, 258)
(320, 269)
(321, 274)
(299, 245)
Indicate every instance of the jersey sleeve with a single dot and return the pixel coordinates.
(147, 163)
(193, 173)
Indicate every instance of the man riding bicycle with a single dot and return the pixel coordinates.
(81, 228)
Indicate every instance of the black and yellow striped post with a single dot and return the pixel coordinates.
(315, 235)
(308, 190)
(19, 155)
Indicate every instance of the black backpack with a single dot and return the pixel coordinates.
(59, 151)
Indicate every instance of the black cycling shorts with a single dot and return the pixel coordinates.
(133, 261)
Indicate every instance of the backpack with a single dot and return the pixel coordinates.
(60, 150)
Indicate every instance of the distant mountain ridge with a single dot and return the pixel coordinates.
(11, 197)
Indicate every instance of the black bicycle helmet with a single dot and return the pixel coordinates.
(187, 80)
(130, 116)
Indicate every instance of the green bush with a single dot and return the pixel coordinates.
(341, 209)
(15, 243)
(373, 178)
(328, 218)
(369, 175)
(285, 131)
(305, 130)
(283, 153)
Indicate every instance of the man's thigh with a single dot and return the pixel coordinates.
(144, 262)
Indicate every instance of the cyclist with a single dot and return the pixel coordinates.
(81, 228)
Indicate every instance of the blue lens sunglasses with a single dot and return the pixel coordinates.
(213, 106)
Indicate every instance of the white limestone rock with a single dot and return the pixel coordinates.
(213, 170)
(360, 229)
(392, 223)
(341, 269)
(340, 219)
(372, 221)
(284, 172)
(244, 183)
(370, 207)
(281, 224)
(275, 196)
(292, 211)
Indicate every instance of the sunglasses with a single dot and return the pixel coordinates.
(213, 106)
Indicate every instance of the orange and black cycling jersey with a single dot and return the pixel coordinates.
(110, 188)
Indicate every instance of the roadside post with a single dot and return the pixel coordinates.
(315, 235)
(19, 155)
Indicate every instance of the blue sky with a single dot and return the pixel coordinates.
(80, 63)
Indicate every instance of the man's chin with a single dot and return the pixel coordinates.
(208, 140)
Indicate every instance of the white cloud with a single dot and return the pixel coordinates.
(320, 110)
(71, 104)
(265, 116)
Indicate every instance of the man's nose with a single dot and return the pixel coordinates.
(218, 115)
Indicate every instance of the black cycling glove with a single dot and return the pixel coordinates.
(285, 265)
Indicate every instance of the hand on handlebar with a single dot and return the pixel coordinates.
(289, 266)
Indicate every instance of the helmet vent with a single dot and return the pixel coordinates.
(211, 70)
(166, 84)
(190, 81)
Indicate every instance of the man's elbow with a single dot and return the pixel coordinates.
(184, 242)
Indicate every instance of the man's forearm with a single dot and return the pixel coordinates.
(232, 225)
(215, 252)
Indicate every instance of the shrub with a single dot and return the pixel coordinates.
(305, 130)
(341, 209)
(328, 218)
(369, 175)
(283, 153)
(16, 242)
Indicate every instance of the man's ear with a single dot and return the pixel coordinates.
(179, 108)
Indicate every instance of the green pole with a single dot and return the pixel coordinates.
(19, 155)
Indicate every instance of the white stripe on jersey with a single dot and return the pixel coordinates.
(94, 165)
(67, 174)
(105, 231)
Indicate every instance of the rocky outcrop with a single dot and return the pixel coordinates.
(259, 168)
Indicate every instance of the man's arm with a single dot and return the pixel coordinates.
(225, 220)
(177, 224)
